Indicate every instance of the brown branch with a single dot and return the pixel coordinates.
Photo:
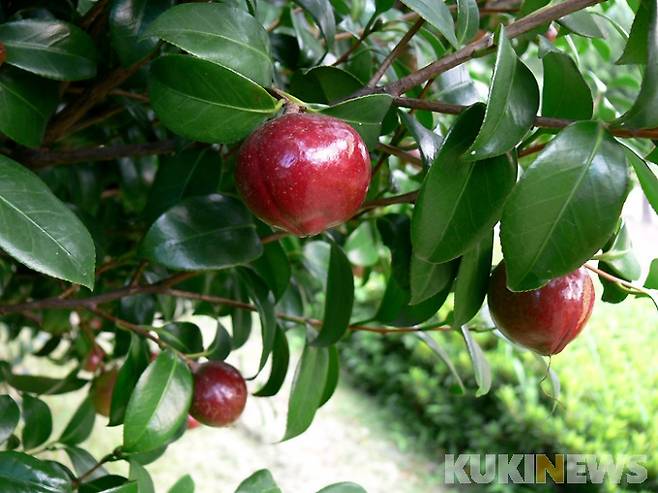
(405, 198)
(395, 52)
(482, 45)
(93, 14)
(618, 280)
(399, 153)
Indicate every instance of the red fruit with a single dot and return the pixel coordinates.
(101, 391)
(192, 423)
(3, 54)
(545, 319)
(303, 173)
(94, 359)
(220, 394)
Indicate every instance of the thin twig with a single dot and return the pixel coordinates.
(395, 52)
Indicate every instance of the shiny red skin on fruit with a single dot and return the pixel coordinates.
(545, 319)
(3, 54)
(303, 173)
(94, 359)
(192, 423)
(101, 391)
(220, 394)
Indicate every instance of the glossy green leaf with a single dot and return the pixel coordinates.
(565, 207)
(221, 34)
(652, 278)
(129, 20)
(443, 355)
(451, 216)
(209, 232)
(274, 267)
(142, 477)
(50, 48)
(83, 462)
(513, 104)
(456, 86)
(131, 487)
(342, 488)
(40, 231)
(22, 473)
(280, 362)
(636, 49)
(307, 390)
(183, 485)
(481, 366)
(26, 104)
(428, 279)
(220, 347)
(9, 416)
(259, 482)
(619, 256)
(339, 299)
(81, 424)
(437, 14)
(472, 280)
(36, 384)
(361, 246)
(323, 13)
(324, 84)
(647, 177)
(185, 174)
(365, 114)
(642, 114)
(182, 336)
(428, 142)
(38, 422)
(159, 404)
(109, 484)
(204, 101)
(333, 375)
(583, 23)
(264, 302)
(468, 20)
(133, 367)
(575, 103)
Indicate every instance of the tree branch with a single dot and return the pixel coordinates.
(395, 52)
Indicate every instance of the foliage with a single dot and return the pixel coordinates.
(120, 122)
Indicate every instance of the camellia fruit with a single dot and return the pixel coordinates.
(220, 394)
(303, 172)
(545, 319)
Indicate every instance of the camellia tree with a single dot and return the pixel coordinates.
(260, 159)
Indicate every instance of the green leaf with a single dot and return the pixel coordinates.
(365, 114)
(220, 347)
(427, 278)
(129, 20)
(307, 390)
(133, 367)
(343, 488)
(185, 174)
(221, 34)
(50, 48)
(323, 84)
(652, 278)
(40, 231)
(576, 103)
(131, 487)
(450, 215)
(619, 256)
(438, 14)
(323, 13)
(259, 482)
(641, 114)
(333, 375)
(443, 355)
(361, 246)
(38, 422)
(109, 484)
(636, 49)
(142, 477)
(280, 361)
(9, 416)
(183, 336)
(35, 384)
(468, 20)
(81, 424)
(339, 299)
(481, 366)
(204, 101)
(274, 267)
(472, 281)
(582, 23)
(428, 142)
(513, 104)
(565, 207)
(264, 302)
(21, 473)
(210, 232)
(83, 462)
(27, 103)
(159, 404)
(183, 485)
(646, 175)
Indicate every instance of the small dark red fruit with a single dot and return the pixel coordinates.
(101, 391)
(545, 319)
(303, 173)
(94, 359)
(220, 394)
(3, 54)
(192, 423)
